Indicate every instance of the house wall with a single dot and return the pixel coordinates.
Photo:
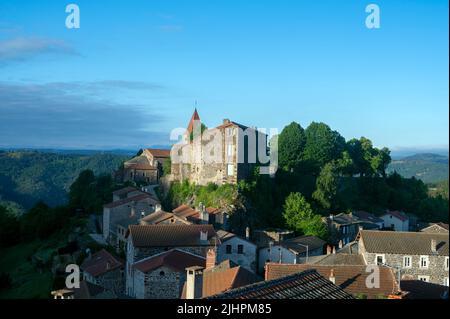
(161, 283)
(276, 254)
(398, 224)
(246, 260)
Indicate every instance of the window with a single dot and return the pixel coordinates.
(230, 169)
(380, 259)
(424, 278)
(228, 249)
(240, 249)
(423, 262)
(446, 263)
(162, 273)
(446, 281)
(230, 150)
(407, 262)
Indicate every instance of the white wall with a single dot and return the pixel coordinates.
(398, 224)
(276, 253)
(246, 260)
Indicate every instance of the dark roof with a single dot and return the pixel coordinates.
(337, 259)
(128, 200)
(397, 214)
(351, 278)
(365, 216)
(101, 263)
(305, 285)
(89, 290)
(139, 162)
(418, 289)
(156, 217)
(407, 243)
(171, 235)
(124, 191)
(175, 259)
(344, 219)
(298, 244)
(226, 235)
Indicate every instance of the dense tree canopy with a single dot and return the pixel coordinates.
(291, 144)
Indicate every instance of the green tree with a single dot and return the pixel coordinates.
(327, 186)
(9, 228)
(167, 166)
(291, 144)
(300, 217)
(322, 145)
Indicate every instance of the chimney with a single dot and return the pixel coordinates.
(210, 259)
(433, 246)
(334, 249)
(341, 244)
(204, 216)
(226, 121)
(332, 277)
(329, 250)
(157, 207)
(203, 236)
(194, 282)
(133, 210)
(247, 233)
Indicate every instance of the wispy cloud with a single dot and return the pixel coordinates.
(61, 115)
(22, 48)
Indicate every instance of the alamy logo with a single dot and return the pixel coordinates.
(73, 19)
(373, 279)
(73, 279)
(373, 19)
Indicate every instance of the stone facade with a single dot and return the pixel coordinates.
(113, 280)
(161, 283)
(145, 167)
(225, 154)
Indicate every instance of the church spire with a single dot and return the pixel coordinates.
(195, 117)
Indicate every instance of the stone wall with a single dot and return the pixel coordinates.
(161, 283)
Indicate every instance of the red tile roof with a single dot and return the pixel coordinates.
(351, 278)
(100, 263)
(127, 200)
(175, 259)
(195, 117)
(158, 152)
(397, 214)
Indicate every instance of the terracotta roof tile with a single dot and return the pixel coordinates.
(136, 198)
(158, 152)
(100, 263)
(175, 259)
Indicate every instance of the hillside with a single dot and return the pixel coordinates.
(430, 168)
(29, 176)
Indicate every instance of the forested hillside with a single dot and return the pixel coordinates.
(29, 176)
(430, 168)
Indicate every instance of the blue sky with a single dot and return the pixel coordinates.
(134, 70)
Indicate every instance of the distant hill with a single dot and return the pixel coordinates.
(430, 168)
(28, 176)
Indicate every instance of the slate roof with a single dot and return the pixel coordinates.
(337, 259)
(351, 278)
(171, 235)
(101, 263)
(175, 259)
(296, 244)
(128, 200)
(139, 162)
(406, 243)
(365, 216)
(124, 191)
(418, 289)
(304, 285)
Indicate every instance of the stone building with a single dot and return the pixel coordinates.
(127, 208)
(439, 228)
(203, 215)
(104, 270)
(162, 276)
(416, 255)
(225, 154)
(145, 167)
(149, 240)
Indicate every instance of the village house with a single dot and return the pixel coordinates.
(162, 217)
(308, 284)
(203, 215)
(416, 255)
(215, 278)
(145, 167)
(343, 228)
(436, 228)
(351, 278)
(395, 220)
(225, 154)
(237, 249)
(290, 251)
(104, 270)
(128, 207)
(149, 240)
(162, 276)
